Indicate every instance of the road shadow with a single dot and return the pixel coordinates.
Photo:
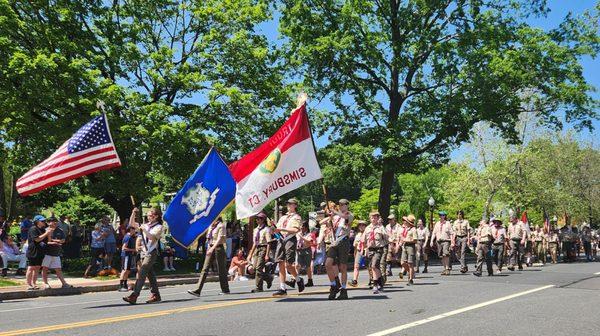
(531, 270)
(424, 277)
(141, 302)
(385, 290)
(426, 284)
(325, 298)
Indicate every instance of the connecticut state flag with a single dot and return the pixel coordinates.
(201, 200)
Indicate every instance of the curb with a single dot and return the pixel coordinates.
(25, 294)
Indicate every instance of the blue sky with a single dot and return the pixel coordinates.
(558, 10)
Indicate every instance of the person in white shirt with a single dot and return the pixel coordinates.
(10, 252)
(150, 234)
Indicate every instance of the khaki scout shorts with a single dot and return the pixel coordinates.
(375, 256)
(443, 248)
(392, 255)
(408, 254)
(304, 257)
(339, 253)
(286, 250)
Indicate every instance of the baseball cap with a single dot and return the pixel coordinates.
(39, 218)
(442, 213)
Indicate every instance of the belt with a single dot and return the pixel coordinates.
(262, 245)
(410, 244)
(421, 240)
(461, 236)
(375, 248)
(516, 239)
(443, 241)
(499, 243)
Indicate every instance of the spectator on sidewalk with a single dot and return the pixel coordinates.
(35, 249)
(9, 251)
(168, 254)
(128, 257)
(64, 224)
(52, 252)
(25, 225)
(4, 226)
(96, 247)
(110, 241)
(238, 266)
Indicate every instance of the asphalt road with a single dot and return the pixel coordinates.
(557, 299)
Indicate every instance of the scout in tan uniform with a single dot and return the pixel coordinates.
(442, 236)
(539, 241)
(498, 244)
(260, 252)
(337, 256)
(215, 239)
(409, 239)
(484, 246)
(288, 226)
(461, 239)
(392, 251)
(359, 251)
(552, 243)
(518, 237)
(375, 238)
(422, 245)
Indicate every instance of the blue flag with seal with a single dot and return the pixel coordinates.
(201, 200)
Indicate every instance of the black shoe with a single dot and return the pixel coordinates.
(477, 274)
(463, 270)
(291, 283)
(353, 283)
(301, 286)
(280, 292)
(511, 268)
(425, 270)
(520, 268)
(343, 294)
(417, 271)
(389, 273)
(269, 282)
(332, 292)
(309, 283)
(370, 284)
(410, 282)
(257, 290)
(195, 293)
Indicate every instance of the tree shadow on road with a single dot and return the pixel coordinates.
(140, 303)
(350, 298)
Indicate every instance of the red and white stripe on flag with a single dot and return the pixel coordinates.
(285, 162)
(89, 150)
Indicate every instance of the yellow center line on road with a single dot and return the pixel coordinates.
(90, 323)
(455, 312)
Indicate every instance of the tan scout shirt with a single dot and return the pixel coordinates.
(499, 234)
(552, 238)
(375, 236)
(410, 236)
(484, 234)
(262, 236)
(325, 234)
(516, 231)
(215, 232)
(538, 236)
(289, 221)
(442, 232)
(341, 226)
(423, 233)
(393, 232)
(461, 227)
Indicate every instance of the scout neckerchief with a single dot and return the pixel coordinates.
(372, 234)
(336, 226)
(441, 227)
(145, 239)
(258, 231)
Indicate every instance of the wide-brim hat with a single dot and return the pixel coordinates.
(292, 201)
(344, 201)
(496, 221)
(361, 222)
(442, 213)
(410, 219)
(374, 213)
(392, 216)
(261, 215)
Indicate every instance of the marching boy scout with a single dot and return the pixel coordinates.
(539, 241)
(392, 250)
(499, 241)
(216, 238)
(552, 245)
(484, 245)
(518, 237)
(422, 245)
(461, 239)
(442, 235)
(337, 256)
(409, 239)
(261, 250)
(375, 238)
(288, 226)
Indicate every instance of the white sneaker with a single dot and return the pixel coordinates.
(47, 286)
(173, 269)
(166, 269)
(375, 291)
(243, 278)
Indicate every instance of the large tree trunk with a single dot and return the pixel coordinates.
(2, 191)
(122, 206)
(385, 191)
(12, 207)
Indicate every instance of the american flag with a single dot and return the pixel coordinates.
(546, 222)
(89, 150)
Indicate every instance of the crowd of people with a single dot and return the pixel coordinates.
(291, 247)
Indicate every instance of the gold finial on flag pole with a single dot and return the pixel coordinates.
(302, 97)
(100, 105)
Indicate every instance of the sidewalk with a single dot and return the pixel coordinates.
(82, 285)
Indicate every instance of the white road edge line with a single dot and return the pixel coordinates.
(455, 312)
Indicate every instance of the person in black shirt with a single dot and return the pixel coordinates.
(128, 257)
(53, 251)
(35, 249)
